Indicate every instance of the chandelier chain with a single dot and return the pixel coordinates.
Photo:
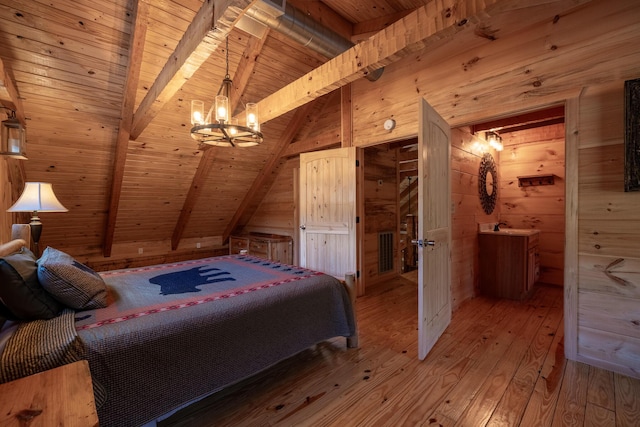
(227, 74)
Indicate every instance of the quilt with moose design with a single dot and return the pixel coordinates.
(174, 333)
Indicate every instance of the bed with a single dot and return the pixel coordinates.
(171, 334)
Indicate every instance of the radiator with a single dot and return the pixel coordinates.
(385, 252)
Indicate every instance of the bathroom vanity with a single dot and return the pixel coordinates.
(509, 262)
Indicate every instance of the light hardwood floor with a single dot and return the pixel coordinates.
(500, 363)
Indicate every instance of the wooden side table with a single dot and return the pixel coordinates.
(268, 246)
(58, 397)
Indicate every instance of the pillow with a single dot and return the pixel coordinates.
(70, 282)
(20, 293)
(5, 313)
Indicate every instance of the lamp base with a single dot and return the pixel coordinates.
(36, 232)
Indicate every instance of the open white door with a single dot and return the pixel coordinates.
(434, 228)
(328, 211)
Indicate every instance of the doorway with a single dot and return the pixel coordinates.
(407, 165)
(531, 182)
(533, 144)
(462, 208)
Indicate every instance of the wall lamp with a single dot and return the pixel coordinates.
(14, 139)
(494, 140)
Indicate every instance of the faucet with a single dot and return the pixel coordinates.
(497, 226)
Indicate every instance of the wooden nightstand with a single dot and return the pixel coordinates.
(58, 397)
(268, 246)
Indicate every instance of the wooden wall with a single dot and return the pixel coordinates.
(540, 66)
(275, 215)
(6, 200)
(581, 56)
(546, 64)
(131, 254)
(11, 185)
(606, 306)
(467, 214)
(536, 151)
(380, 208)
(608, 276)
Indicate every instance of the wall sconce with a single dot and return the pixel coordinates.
(479, 147)
(494, 140)
(14, 139)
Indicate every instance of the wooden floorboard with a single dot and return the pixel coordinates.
(499, 363)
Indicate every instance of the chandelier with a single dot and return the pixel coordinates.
(224, 131)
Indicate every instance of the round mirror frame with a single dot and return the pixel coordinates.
(487, 166)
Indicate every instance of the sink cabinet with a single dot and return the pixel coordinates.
(509, 263)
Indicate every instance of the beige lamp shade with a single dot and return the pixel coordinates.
(38, 197)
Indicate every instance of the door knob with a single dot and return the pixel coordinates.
(303, 227)
(423, 243)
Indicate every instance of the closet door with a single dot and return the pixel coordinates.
(328, 211)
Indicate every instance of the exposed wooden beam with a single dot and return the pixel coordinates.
(405, 144)
(545, 117)
(197, 184)
(140, 15)
(408, 190)
(408, 172)
(364, 30)
(322, 141)
(346, 116)
(209, 28)
(241, 79)
(9, 94)
(308, 145)
(245, 67)
(407, 156)
(254, 196)
(327, 106)
(431, 25)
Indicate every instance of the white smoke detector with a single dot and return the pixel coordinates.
(389, 124)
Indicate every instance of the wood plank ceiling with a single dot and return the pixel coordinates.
(105, 87)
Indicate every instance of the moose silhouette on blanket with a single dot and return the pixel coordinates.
(182, 282)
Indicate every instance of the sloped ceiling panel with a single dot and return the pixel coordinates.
(69, 62)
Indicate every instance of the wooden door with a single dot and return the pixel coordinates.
(434, 228)
(328, 211)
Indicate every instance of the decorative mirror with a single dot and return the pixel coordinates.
(488, 183)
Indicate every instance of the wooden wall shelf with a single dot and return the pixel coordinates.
(531, 180)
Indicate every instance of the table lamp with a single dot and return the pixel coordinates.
(37, 197)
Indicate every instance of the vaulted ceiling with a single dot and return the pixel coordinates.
(104, 88)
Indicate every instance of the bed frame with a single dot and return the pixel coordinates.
(21, 236)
